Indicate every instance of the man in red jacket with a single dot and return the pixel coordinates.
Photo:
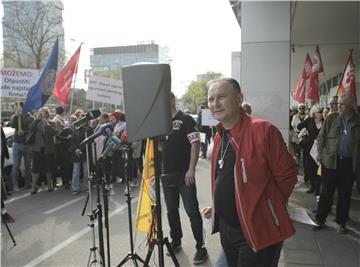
(252, 176)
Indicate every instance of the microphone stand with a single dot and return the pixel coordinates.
(95, 213)
(160, 241)
(132, 254)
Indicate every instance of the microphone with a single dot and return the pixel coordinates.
(105, 130)
(113, 144)
(92, 114)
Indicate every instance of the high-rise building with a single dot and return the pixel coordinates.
(30, 29)
(111, 59)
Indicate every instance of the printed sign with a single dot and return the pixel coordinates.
(105, 90)
(15, 83)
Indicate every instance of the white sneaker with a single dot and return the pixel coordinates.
(16, 188)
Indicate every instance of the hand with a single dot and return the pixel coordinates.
(190, 177)
(207, 212)
(78, 152)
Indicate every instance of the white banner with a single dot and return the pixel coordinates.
(15, 83)
(207, 119)
(105, 90)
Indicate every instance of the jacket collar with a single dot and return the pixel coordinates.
(237, 130)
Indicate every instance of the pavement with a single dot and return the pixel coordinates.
(325, 247)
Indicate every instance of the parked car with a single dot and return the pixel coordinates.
(9, 134)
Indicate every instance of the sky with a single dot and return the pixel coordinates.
(200, 34)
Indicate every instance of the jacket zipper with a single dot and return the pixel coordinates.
(276, 220)
(243, 170)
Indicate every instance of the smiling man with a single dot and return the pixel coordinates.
(252, 176)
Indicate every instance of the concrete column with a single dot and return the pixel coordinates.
(265, 60)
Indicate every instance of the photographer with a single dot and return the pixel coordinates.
(43, 148)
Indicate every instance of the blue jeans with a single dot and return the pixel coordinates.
(191, 205)
(75, 184)
(19, 151)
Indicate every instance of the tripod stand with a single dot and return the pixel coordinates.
(95, 213)
(160, 241)
(3, 193)
(132, 254)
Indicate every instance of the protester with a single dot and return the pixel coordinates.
(62, 145)
(333, 103)
(78, 155)
(312, 124)
(338, 147)
(247, 108)
(180, 152)
(252, 176)
(20, 148)
(43, 148)
(117, 119)
(205, 129)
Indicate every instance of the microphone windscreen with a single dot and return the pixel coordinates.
(92, 114)
(106, 129)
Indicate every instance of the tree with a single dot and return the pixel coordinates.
(196, 93)
(30, 33)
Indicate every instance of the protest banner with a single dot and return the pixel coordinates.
(105, 90)
(15, 83)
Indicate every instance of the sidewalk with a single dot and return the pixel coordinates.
(324, 247)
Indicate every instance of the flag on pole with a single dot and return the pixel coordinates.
(316, 69)
(299, 94)
(64, 78)
(347, 81)
(39, 93)
(144, 216)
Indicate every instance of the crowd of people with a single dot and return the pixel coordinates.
(253, 172)
(50, 148)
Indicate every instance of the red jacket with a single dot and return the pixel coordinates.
(264, 177)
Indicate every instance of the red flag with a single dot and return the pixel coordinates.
(317, 67)
(64, 78)
(299, 94)
(347, 81)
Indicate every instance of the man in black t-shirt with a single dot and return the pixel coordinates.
(180, 153)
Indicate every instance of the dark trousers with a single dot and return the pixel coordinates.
(310, 169)
(191, 205)
(341, 179)
(239, 253)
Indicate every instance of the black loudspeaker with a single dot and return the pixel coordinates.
(147, 100)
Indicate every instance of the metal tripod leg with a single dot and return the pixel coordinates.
(8, 229)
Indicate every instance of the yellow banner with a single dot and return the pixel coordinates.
(146, 192)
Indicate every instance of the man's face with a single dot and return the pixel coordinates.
(302, 109)
(224, 102)
(333, 105)
(344, 107)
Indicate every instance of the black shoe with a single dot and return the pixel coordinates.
(200, 256)
(175, 246)
(8, 218)
(33, 192)
(318, 227)
(310, 191)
